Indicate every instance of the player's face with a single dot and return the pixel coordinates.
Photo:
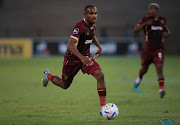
(152, 11)
(91, 15)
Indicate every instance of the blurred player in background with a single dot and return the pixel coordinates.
(78, 55)
(155, 29)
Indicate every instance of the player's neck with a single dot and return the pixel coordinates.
(154, 17)
(88, 23)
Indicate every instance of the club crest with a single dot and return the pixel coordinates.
(162, 21)
(76, 31)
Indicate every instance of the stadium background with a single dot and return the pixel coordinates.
(50, 22)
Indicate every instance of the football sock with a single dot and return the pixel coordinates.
(161, 83)
(137, 81)
(50, 77)
(102, 96)
(140, 74)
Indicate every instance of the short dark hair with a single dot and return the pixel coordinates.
(88, 6)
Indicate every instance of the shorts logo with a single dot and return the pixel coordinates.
(76, 31)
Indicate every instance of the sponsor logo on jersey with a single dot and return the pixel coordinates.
(76, 31)
(88, 41)
(156, 28)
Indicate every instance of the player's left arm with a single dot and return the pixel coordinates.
(167, 32)
(95, 41)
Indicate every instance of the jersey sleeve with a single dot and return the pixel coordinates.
(144, 19)
(77, 31)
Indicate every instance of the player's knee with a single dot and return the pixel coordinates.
(66, 86)
(100, 76)
(159, 71)
(159, 68)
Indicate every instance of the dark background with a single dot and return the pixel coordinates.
(56, 18)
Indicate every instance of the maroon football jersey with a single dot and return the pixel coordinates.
(154, 32)
(84, 35)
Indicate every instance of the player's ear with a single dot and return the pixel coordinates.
(85, 13)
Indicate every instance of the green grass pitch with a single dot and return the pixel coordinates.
(24, 101)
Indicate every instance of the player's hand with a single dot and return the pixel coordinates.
(98, 53)
(166, 34)
(87, 61)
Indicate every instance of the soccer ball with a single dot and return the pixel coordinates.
(110, 111)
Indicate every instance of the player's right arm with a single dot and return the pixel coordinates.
(73, 49)
(73, 43)
(141, 24)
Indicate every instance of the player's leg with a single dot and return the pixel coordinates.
(95, 71)
(159, 63)
(142, 72)
(70, 69)
(101, 87)
(54, 79)
(145, 62)
(159, 70)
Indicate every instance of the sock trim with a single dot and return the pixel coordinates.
(160, 80)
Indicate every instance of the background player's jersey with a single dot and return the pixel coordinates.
(84, 34)
(154, 32)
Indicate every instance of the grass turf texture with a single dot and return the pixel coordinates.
(24, 101)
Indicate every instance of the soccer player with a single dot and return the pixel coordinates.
(78, 55)
(155, 29)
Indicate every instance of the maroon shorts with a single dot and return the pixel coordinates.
(156, 57)
(71, 68)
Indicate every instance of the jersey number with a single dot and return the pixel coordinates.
(160, 55)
